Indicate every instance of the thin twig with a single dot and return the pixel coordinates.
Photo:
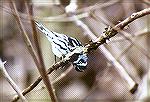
(41, 68)
(126, 35)
(24, 34)
(81, 13)
(61, 76)
(11, 82)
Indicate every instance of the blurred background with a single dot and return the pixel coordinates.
(100, 82)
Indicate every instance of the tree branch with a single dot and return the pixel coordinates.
(113, 31)
(11, 82)
(92, 45)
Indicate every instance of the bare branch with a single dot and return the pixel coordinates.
(113, 31)
(11, 82)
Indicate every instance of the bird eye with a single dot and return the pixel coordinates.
(81, 61)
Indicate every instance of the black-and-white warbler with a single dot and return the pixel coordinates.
(63, 44)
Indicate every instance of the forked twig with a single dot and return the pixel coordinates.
(11, 82)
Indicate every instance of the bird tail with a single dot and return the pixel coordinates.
(49, 34)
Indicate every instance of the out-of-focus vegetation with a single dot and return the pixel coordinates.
(100, 81)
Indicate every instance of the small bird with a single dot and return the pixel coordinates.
(63, 44)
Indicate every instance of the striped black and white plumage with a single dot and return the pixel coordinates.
(63, 44)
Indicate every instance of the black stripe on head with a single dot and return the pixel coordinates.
(79, 43)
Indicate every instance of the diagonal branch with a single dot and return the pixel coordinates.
(113, 31)
(38, 80)
(11, 82)
(92, 45)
